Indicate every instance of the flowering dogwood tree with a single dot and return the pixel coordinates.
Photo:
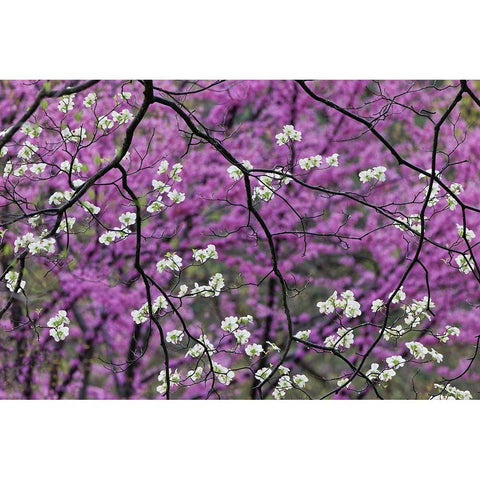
(239, 239)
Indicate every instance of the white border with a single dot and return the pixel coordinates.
(238, 439)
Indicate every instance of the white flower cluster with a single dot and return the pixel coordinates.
(457, 189)
(377, 305)
(58, 326)
(417, 349)
(90, 99)
(316, 160)
(74, 167)
(332, 160)
(372, 174)
(303, 334)
(174, 378)
(266, 190)
(393, 332)
(90, 207)
(198, 349)
(108, 237)
(229, 324)
(213, 289)
(263, 373)
(350, 307)
(32, 130)
(126, 219)
(67, 225)
(449, 331)
(469, 234)
(235, 173)
(76, 136)
(176, 197)
(241, 336)
(416, 312)
(398, 297)
(124, 116)
(344, 338)
(38, 168)
(175, 172)
(433, 199)
(289, 133)
(449, 392)
(66, 103)
(161, 187)
(12, 280)
(58, 197)
(35, 245)
(202, 255)
(310, 162)
(413, 221)
(171, 261)
(464, 262)
(124, 95)
(174, 336)
(223, 374)
(105, 123)
(384, 375)
(27, 151)
(286, 383)
(142, 315)
(254, 350)
(195, 375)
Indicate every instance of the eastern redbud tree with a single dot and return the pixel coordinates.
(239, 239)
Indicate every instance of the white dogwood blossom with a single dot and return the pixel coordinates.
(289, 133)
(449, 392)
(387, 375)
(105, 123)
(66, 103)
(32, 130)
(395, 361)
(242, 336)
(202, 255)
(58, 326)
(174, 336)
(332, 160)
(124, 116)
(263, 373)
(254, 350)
(469, 235)
(399, 295)
(303, 334)
(175, 196)
(90, 207)
(300, 380)
(171, 261)
(464, 262)
(377, 305)
(11, 279)
(160, 187)
(235, 173)
(128, 218)
(372, 174)
(229, 324)
(223, 374)
(417, 350)
(310, 162)
(89, 100)
(27, 151)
